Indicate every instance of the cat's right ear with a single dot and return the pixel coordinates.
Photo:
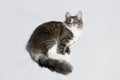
(79, 15)
(67, 15)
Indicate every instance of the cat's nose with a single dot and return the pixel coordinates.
(71, 24)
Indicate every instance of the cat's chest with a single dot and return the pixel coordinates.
(76, 35)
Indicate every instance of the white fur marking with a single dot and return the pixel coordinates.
(72, 20)
(52, 53)
(36, 56)
(76, 34)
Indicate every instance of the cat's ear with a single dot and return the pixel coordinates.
(67, 15)
(79, 15)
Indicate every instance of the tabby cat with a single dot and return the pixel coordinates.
(49, 43)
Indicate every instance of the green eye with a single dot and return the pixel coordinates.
(76, 21)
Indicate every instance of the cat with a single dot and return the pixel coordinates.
(50, 41)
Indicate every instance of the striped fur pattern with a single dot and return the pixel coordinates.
(49, 43)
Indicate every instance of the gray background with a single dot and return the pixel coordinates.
(96, 56)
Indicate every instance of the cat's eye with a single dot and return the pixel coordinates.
(76, 21)
(69, 20)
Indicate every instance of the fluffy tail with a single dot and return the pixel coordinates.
(55, 65)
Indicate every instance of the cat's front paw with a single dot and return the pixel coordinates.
(62, 51)
(67, 50)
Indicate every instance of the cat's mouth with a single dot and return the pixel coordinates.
(73, 25)
(76, 25)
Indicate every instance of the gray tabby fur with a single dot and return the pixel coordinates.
(50, 34)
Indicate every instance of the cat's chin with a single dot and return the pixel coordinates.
(72, 25)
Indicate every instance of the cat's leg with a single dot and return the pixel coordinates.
(53, 53)
(67, 50)
(62, 49)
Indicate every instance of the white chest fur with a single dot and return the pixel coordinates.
(76, 34)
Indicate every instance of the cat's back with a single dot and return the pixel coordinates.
(49, 27)
(52, 23)
(47, 30)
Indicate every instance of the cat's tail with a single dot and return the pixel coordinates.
(62, 67)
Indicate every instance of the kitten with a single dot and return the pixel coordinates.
(49, 43)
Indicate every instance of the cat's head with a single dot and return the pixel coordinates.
(74, 21)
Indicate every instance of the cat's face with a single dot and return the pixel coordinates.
(74, 21)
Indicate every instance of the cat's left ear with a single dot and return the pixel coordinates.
(79, 15)
(67, 15)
